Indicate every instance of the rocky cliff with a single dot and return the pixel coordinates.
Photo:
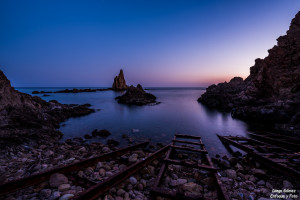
(272, 90)
(119, 82)
(28, 119)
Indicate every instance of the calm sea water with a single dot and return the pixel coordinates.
(179, 112)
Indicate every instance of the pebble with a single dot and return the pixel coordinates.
(64, 187)
(261, 183)
(133, 180)
(55, 195)
(133, 158)
(231, 173)
(259, 172)
(121, 192)
(57, 179)
(89, 171)
(287, 185)
(105, 149)
(45, 193)
(66, 196)
(102, 172)
(108, 174)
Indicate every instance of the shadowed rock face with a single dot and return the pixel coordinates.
(272, 90)
(24, 118)
(119, 82)
(136, 96)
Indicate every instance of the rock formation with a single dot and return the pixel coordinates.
(136, 96)
(272, 90)
(27, 119)
(119, 82)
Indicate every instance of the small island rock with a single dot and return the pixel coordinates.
(136, 96)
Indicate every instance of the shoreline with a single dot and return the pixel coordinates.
(241, 175)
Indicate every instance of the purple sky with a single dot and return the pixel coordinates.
(157, 43)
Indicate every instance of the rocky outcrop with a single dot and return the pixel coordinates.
(136, 96)
(272, 90)
(119, 82)
(27, 119)
(74, 90)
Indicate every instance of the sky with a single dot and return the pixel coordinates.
(157, 42)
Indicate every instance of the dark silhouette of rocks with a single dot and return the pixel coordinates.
(28, 119)
(136, 96)
(75, 90)
(272, 90)
(101, 133)
(119, 82)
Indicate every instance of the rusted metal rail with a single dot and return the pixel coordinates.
(39, 178)
(157, 191)
(282, 160)
(100, 188)
(282, 141)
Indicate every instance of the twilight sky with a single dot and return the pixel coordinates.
(157, 43)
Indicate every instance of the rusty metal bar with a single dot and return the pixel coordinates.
(38, 178)
(189, 149)
(279, 142)
(161, 172)
(177, 162)
(156, 191)
(280, 136)
(188, 136)
(100, 188)
(222, 192)
(187, 142)
(264, 160)
(83, 182)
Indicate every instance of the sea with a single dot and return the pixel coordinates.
(178, 112)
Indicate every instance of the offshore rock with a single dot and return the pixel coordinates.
(136, 96)
(28, 119)
(119, 82)
(271, 93)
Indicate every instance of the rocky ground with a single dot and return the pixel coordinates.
(244, 178)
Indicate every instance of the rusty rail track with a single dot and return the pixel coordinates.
(39, 178)
(277, 158)
(102, 187)
(287, 142)
(157, 191)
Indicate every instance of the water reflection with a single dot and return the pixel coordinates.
(179, 112)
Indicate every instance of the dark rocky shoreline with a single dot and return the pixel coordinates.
(31, 120)
(271, 93)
